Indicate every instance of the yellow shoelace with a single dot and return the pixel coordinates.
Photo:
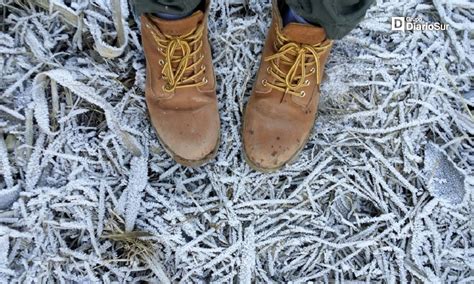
(178, 52)
(299, 57)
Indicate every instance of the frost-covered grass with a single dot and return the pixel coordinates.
(382, 192)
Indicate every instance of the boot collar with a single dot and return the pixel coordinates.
(298, 32)
(177, 27)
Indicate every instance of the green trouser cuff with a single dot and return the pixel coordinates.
(172, 7)
(337, 17)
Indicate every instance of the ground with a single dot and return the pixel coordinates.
(382, 191)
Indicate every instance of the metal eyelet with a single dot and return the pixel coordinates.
(312, 70)
(161, 62)
(204, 80)
(269, 69)
(264, 82)
(302, 94)
(306, 82)
(203, 67)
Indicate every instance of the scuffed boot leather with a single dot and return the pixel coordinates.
(180, 86)
(281, 110)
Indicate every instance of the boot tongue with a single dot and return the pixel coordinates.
(178, 27)
(304, 33)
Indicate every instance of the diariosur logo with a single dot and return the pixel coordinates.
(416, 24)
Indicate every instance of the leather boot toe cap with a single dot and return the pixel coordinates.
(185, 138)
(270, 146)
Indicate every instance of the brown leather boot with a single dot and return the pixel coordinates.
(181, 87)
(281, 111)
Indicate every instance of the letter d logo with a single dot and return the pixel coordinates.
(398, 23)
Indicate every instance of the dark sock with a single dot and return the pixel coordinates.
(167, 16)
(171, 16)
(290, 16)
